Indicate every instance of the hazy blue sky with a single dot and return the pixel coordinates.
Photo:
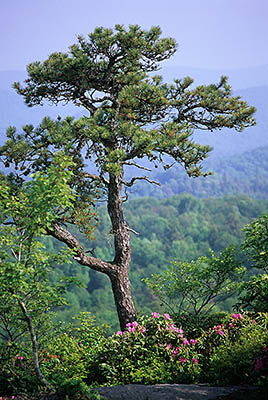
(210, 33)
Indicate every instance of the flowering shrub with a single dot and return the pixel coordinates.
(149, 351)
(232, 357)
(156, 350)
(16, 370)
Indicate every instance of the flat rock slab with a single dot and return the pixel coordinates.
(166, 392)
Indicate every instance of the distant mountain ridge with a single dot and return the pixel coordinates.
(245, 173)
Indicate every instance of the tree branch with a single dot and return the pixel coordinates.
(31, 329)
(79, 254)
(96, 177)
(138, 166)
(131, 183)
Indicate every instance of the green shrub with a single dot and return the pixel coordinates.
(155, 350)
(65, 356)
(229, 349)
(195, 325)
(150, 351)
(17, 375)
(231, 352)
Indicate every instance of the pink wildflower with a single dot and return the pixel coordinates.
(167, 316)
(183, 360)
(193, 341)
(118, 333)
(185, 342)
(237, 316)
(175, 353)
(195, 361)
(172, 327)
(155, 315)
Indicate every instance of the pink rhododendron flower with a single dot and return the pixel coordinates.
(237, 316)
(173, 328)
(135, 324)
(175, 353)
(155, 315)
(167, 316)
(193, 341)
(118, 333)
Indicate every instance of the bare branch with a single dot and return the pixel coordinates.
(132, 230)
(145, 178)
(138, 166)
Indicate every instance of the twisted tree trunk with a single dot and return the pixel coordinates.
(119, 278)
(117, 270)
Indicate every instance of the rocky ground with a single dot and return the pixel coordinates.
(165, 392)
(178, 392)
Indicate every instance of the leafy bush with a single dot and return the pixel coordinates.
(17, 374)
(196, 325)
(197, 286)
(150, 351)
(219, 349)
(254, 292)
(241, 356)
(65, 355)
(155, 350)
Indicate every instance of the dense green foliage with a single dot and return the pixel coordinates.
(196, 287)
(26, 292)
(181, 227)
(241, 174)
(230, 349)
